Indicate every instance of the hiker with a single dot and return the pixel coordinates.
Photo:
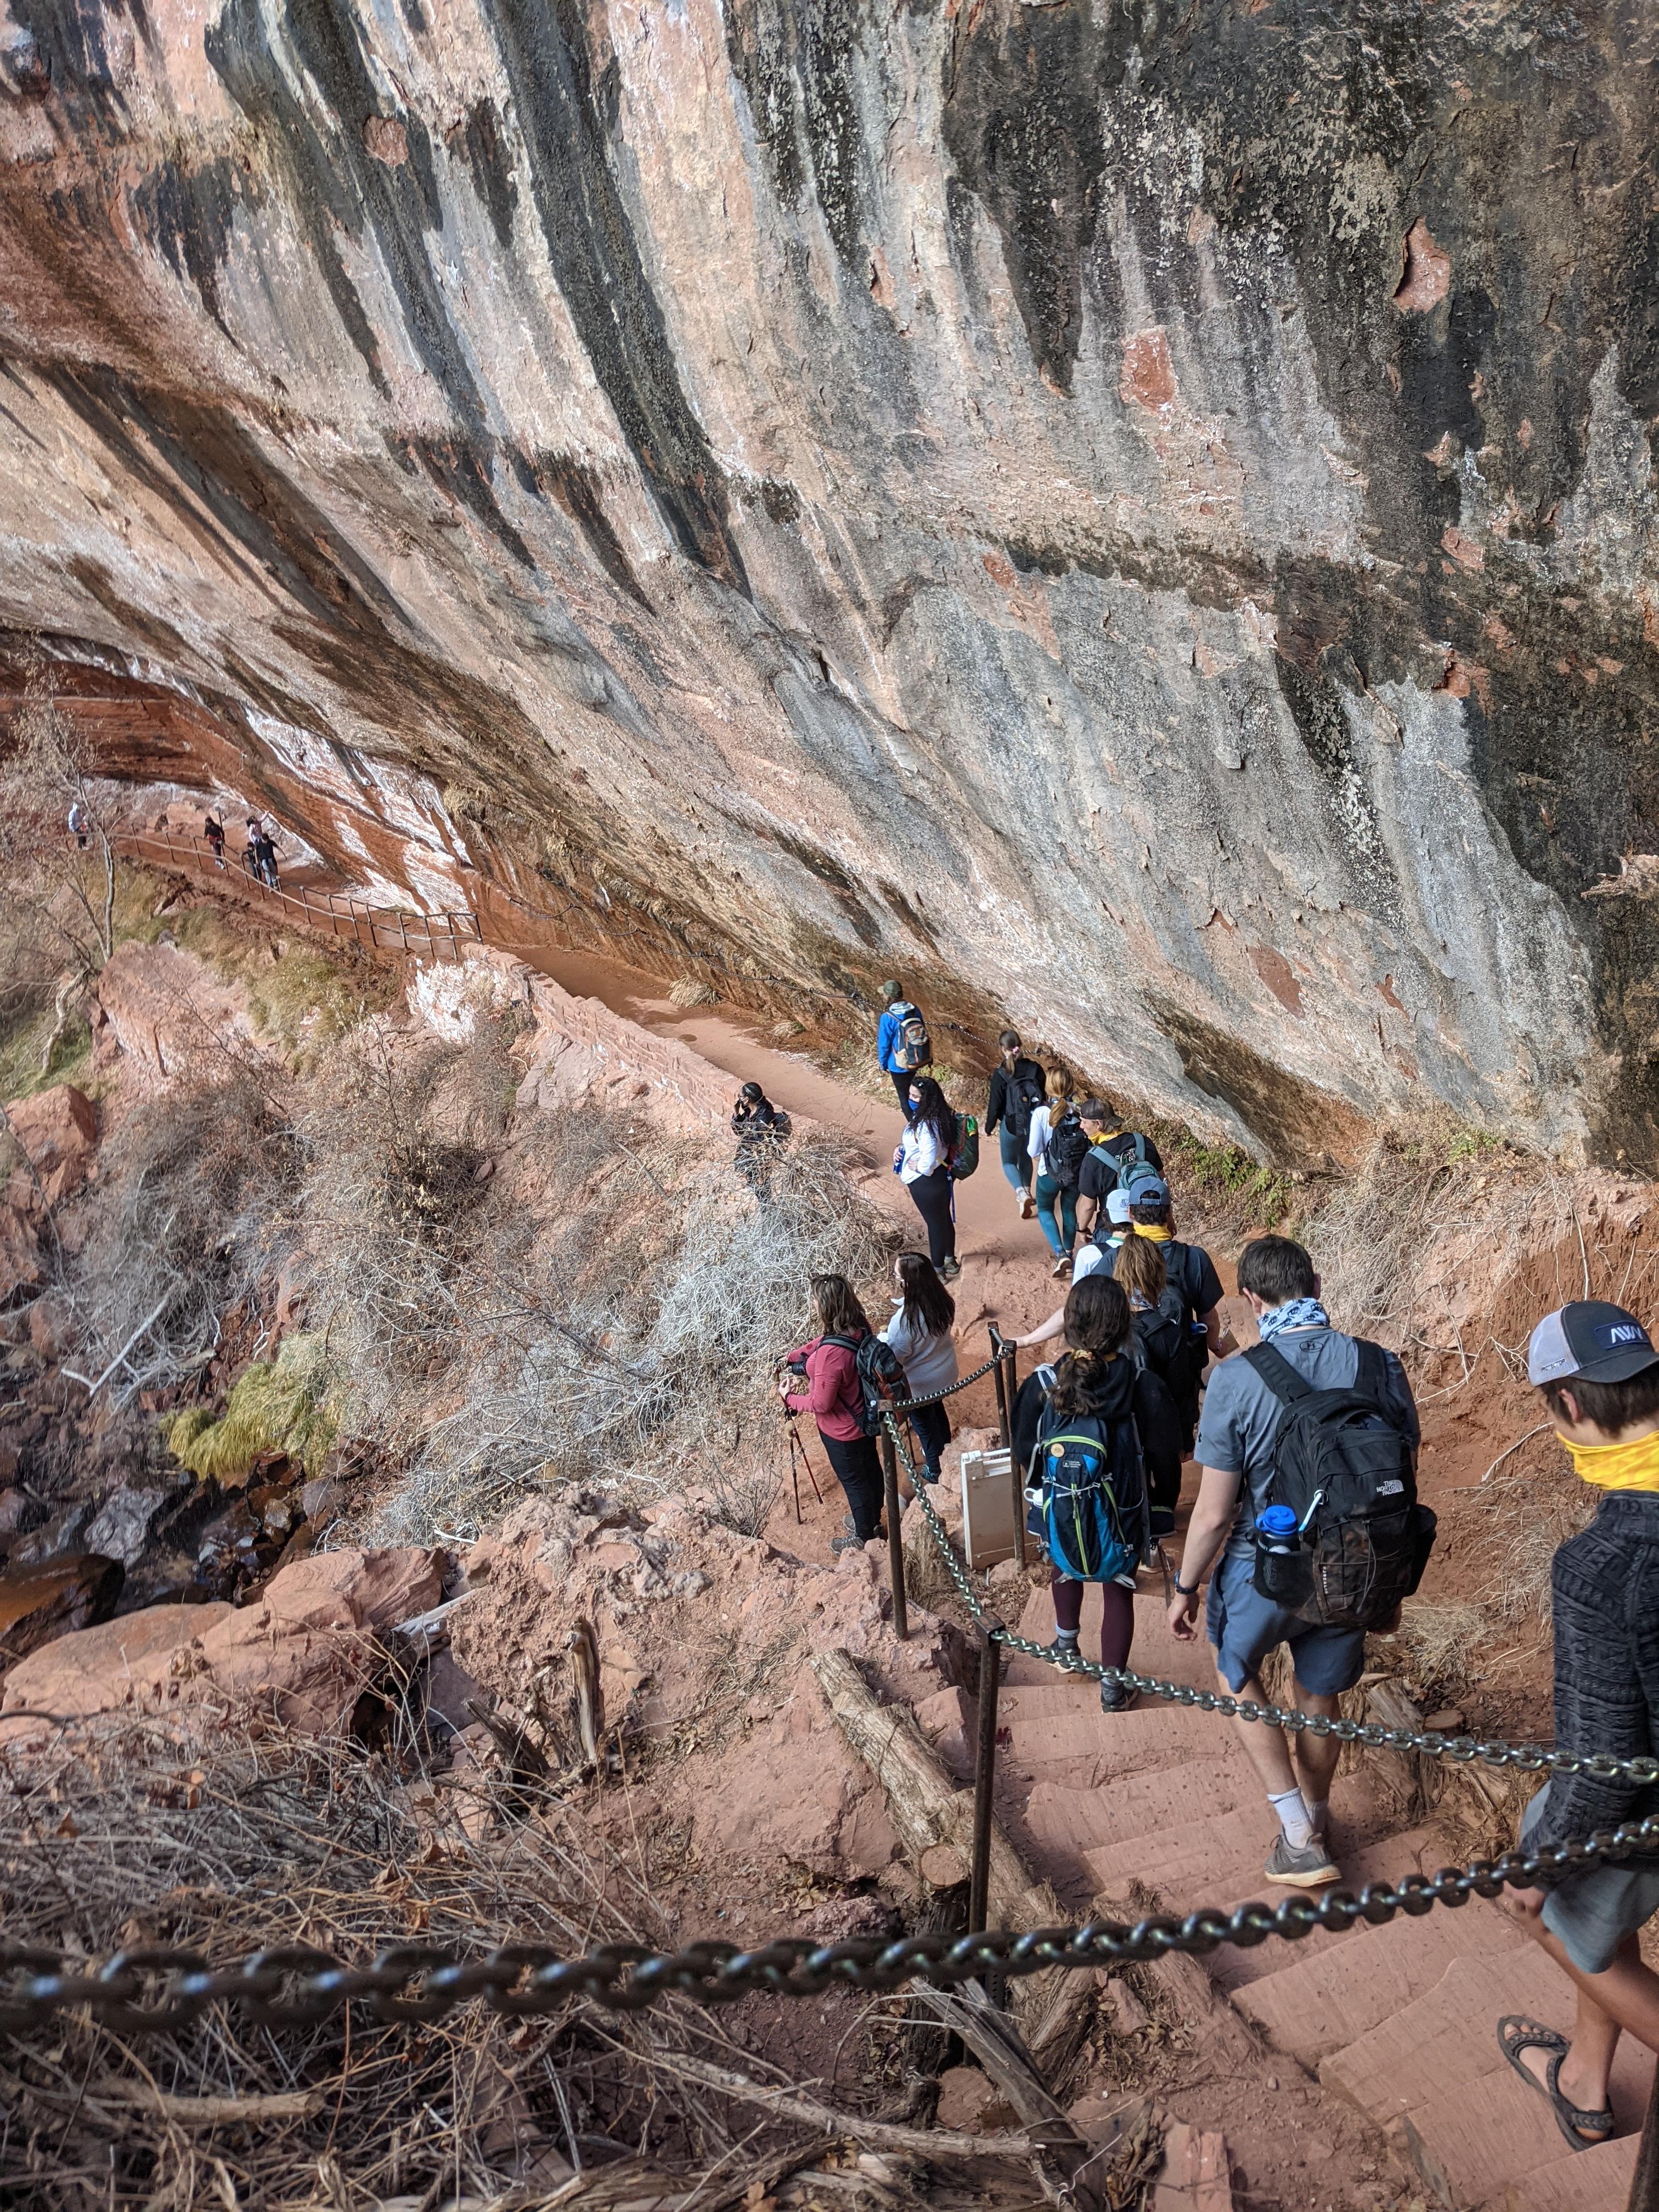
(761, 1130)
(919, 1333)
(835, 1398)
(250, 854)
(214, 830)
(77, 824)
(1138, 1264)
(1239, 1442)
(922, 1162)
(1096, 1392)
(1112, 1151)
(1094, 1254)
(902, 1044)
(1018, 1087)
(264, 855)
(1195, 1293)
(1598, 1372)
(1057, 1146)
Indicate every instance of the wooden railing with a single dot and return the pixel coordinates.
(377, 929)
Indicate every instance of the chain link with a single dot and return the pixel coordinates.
(157, 1991)
(1461, 1750)
(938, 1397)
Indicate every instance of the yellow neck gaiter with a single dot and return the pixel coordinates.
(1618, 1466)
(1154, 1233)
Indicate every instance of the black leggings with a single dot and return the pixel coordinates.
(1117, 1624)
(932, 1427)
(858, 1470)
(931, 1194)
(901, 1082)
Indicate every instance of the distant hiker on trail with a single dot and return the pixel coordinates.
(761, 1130)
(1095, 1254)
(1057, 1147)
(922, 1162)
(1018, 1089)
(1138, 1264)
(250, 855)
(265, 856)
(1097, 1436)
(77, 823)
(919, 1333)
(1112, 1151)
(214, 830)
(1243, 1448)
(1195, 1292)
(1598, 1372)
(835, 1397)
(902, 1044)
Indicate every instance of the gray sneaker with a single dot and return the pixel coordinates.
(1300, 1866)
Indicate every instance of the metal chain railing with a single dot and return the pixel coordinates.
(160, 1990)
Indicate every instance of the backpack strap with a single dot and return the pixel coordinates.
(1273, 1367)
(1371, 1379)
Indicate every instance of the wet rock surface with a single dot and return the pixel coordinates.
(1144, 515)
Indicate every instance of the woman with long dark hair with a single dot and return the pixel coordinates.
(1056, 1143)
(922, 1162)
(828, 1364)
(1096, 1390)
(919, 1333)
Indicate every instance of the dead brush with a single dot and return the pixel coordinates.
(1436, 1647)
(130, 1836)
(1529, 1518)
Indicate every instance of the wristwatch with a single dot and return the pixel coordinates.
(1182, 1587)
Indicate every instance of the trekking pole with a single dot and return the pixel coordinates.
(987, 1628)
(895, 1534)
(795, 1478)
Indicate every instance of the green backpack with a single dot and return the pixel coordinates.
(964, 1153)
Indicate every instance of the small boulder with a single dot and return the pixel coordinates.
(58, 1131)
(40, 1604)
(121, 1528)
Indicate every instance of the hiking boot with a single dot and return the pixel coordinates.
(1114, 1697)
(839, 1544)
(1062, 1265)
(928, 1474)
(1300, 1866)
(950, 1269)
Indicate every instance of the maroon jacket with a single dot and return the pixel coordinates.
(832, 1396)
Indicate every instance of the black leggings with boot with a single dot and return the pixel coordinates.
(858, 1469)
(1117, 1624)
(931, 1194)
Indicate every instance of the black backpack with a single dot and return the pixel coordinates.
(1186, 1372)
(1068, 1148)
(882, 1378)
(1021, 1099)
(1345, 1472)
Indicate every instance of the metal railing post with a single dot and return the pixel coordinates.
(1007, 1359)
(895, 1534)
(1644, 2181)
(985, 1777)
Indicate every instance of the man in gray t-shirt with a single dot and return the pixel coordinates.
(1235, 1455)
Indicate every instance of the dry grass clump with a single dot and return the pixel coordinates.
(1529, 1518)
(1438, 1646)
(122, 1838)
(277, 1405)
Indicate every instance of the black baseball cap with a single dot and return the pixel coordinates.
(1600, 1342)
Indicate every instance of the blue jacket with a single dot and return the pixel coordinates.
(886, 1038)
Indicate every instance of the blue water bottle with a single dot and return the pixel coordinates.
(1281, 1565)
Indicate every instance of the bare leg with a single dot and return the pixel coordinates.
(1268, 1749)
(1623, 1995)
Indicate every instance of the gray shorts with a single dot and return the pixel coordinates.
(1244, 1627)
(1590, 1914)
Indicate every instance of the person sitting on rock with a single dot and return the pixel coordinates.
(761, 1130)
(1598, 1372)
(1236, 1444)
(1098, 1391)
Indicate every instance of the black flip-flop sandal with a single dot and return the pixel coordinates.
(1516, 2034)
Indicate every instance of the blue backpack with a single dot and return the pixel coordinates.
(1086, 1487)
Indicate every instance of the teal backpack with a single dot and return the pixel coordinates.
(1086, 1487)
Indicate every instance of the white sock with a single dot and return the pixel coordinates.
(1292, 1812)
(1319, 1812)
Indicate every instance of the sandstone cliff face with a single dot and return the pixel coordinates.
(1137, 516)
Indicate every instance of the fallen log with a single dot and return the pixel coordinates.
(927, 1809)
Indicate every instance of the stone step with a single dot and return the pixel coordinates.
(1344, 1988)
(1219, 1861)
(1155, 1650)
(1494, 2130)
(1047, 1726)
(1064, 1824)
(1596, 2180)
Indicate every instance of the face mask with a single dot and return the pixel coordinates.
(1618, 1467)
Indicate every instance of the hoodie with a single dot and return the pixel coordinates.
(1123, 1389)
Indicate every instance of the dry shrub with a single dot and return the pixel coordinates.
(1436, 1645)
(187, 1217)
(1531, 1517)
(130, 1837)
(277, 1405)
